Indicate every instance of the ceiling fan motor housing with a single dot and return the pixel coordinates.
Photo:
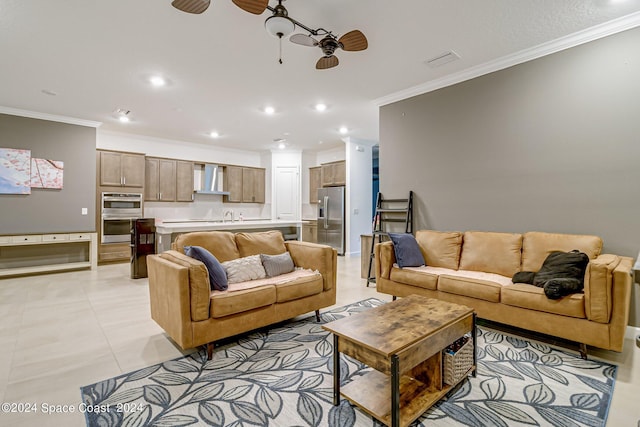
(329, 45)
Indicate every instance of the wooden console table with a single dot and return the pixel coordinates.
(403, 342)
(39, 253)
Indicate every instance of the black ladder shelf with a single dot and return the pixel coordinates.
(388, 211)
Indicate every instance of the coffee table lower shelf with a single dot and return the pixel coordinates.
(371, 393)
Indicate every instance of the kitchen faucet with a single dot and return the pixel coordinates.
(228, 211)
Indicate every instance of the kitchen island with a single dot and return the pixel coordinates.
(168, 230)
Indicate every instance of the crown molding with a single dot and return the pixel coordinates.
(590, 34)
(50, 117)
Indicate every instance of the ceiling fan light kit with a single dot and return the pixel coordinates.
(281, 25)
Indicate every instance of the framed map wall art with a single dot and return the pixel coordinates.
(15, 171)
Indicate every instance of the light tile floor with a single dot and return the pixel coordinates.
(61, 331)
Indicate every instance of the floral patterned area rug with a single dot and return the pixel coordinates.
(282, 376)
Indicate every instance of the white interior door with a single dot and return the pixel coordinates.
(287, 191)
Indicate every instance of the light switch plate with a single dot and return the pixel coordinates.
(85, 211)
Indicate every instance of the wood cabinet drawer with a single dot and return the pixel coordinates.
(26, 239)
(55, 237)
(79, 236)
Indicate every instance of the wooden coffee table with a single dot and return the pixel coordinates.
(403, 341)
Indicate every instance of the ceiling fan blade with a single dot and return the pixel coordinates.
(303, 39)
(252, 6)
(191, 6)
(327, 62)
(353, 41)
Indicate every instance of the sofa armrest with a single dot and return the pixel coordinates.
(313, 256)
(607, 283)
(385, 258)
(170, 298)
(622, 284)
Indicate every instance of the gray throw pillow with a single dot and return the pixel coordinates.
(217, 276)
(407, 250)
(276, 265)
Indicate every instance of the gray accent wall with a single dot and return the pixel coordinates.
(551, 145)
(548, 145)
(51, 211)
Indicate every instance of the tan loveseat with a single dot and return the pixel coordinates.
(193, 315)
(475, 269)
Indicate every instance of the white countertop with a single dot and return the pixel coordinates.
(178, 226)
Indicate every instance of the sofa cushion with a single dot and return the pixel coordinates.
(217, 275)
(226, 303)
(490, 252)
(221, 244)
(423, 277)
(300, 287)
(536, 246)
(407, 251)
(440, 248)
(533, 298)
(275, 265)
(264, 242)
(474, 284)
(199, 288)
(244, 269)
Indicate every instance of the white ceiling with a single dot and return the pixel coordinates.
(96, 56)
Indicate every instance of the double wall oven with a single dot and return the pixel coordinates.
(118, 209)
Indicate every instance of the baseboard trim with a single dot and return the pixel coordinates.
(632, 332)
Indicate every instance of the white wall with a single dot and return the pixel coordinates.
(359, 191)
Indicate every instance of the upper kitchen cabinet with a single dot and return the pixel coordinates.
(160, 180)
(184, 181)
(315, 182)
(253, 185)
(118, 169)
(168, 180)
(244, 184)
(334, 174)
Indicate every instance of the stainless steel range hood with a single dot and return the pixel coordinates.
(211, 181)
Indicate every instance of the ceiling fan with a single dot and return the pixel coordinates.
(280, 25)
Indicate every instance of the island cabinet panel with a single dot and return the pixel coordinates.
(118, 169)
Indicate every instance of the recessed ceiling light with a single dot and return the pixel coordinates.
(214, 134)
(320, 107)
(157, 81)
(122, 114)
(269, 109)
(343, 130)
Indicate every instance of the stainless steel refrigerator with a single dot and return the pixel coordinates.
(331, 223)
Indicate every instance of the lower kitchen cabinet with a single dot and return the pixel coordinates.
(310, 231)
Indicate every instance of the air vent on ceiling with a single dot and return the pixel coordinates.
(443, 58)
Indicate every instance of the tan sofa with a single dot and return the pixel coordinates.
(475, 269)
(193, 315)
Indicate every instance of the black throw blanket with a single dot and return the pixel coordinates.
(562, 273)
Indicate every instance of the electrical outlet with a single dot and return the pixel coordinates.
(85, 211)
